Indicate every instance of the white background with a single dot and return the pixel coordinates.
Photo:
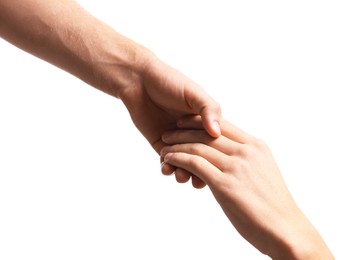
(77, 181)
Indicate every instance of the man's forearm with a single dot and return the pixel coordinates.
(64, 34)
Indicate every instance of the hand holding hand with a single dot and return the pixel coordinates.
(159, 96)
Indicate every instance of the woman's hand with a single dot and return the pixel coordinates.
(244, 178)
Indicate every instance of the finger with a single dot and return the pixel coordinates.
(227, 129)
(207, 108)
(167, 169)
(223, 144)
(197, 182)
(197, 165)
(209, 153)
(182, 176)
(234, 133)
(211, 120)
(190, 122)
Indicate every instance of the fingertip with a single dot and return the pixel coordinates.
(182, 176)
(197, 182)
(213, 129)
(216, 128)
(167, 169)
(211, 121)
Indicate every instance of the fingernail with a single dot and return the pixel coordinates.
(162, 164)
(216, 127)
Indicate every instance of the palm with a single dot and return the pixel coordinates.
(151, 117)
(159, 100)
(163, 96)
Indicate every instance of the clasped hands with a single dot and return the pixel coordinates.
(184, 125)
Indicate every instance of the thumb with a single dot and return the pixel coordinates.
(211, 116)
(208, 109)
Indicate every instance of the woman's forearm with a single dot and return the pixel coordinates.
(65, 35)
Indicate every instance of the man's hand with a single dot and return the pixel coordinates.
(65, 35)
(160, 98)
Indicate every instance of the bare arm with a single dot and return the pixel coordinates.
(64, 34)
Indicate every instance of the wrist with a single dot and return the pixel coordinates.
(120, 65)
(302, 241)
(310, 246)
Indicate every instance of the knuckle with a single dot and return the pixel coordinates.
(194, 149)
(252, 148)
(246, 151)
(238, 166)
(195, 162)
(260, 144)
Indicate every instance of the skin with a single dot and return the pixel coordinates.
(244, 178)
(157, 97)
(65, 35)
